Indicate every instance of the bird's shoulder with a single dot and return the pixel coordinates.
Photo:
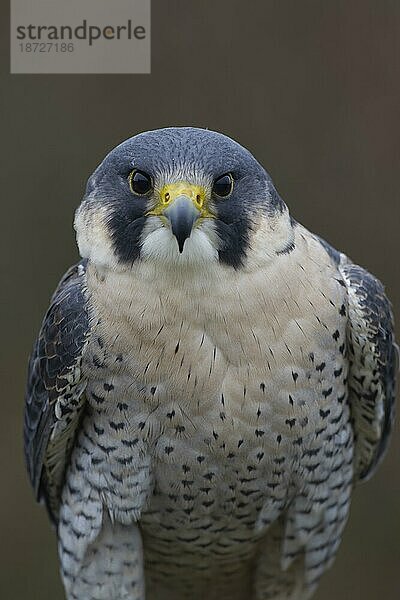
(373, 362)
(372, 356)
(53, 400)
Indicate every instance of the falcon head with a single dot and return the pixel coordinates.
(181, 196)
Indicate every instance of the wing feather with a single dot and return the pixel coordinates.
(54, 399)
(373, 358)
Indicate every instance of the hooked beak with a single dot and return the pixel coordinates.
(182, 215)
(181, 204)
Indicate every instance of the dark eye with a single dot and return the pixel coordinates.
(223, 185)
(139, 182)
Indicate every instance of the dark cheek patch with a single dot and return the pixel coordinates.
(234, 217)
(233, 237)
(126, 225)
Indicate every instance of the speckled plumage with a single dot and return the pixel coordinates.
(220, 407)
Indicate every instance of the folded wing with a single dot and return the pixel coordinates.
(54, 400)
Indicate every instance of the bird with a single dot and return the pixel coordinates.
(210, 382)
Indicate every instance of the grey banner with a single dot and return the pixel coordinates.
(80, 36)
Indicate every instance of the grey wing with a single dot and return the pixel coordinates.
(373, 360)
(54, 399)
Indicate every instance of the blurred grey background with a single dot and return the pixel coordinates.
(312, 88)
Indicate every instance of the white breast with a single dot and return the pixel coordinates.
(217, 380)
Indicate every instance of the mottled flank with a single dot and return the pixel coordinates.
(373, 357)
(53, 398)
(196, 420)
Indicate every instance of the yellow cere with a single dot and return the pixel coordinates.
(171, 191)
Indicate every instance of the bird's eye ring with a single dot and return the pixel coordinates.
(139, 182)
(223, 185)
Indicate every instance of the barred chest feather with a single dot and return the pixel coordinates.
(210, 397)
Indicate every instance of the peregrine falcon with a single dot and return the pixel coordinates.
(209, 383)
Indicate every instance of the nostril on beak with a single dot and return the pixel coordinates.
(182, 214)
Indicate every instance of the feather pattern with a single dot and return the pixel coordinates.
(54, 397)
(373, 358)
